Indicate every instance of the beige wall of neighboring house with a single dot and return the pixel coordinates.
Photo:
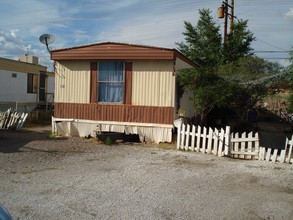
(20, 81)
(20, 66)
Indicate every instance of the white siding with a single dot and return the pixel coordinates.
(72, 82)
(15, 89)
(153, 83)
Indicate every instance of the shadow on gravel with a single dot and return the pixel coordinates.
(13, 141)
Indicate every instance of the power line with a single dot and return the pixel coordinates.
(270, 44)
(271, 51)
(276, 58)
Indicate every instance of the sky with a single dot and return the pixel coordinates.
(145, 22)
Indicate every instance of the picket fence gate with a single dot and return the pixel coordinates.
(221, 143)
(11, 119)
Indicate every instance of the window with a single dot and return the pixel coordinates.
(14, 75)
(110, 81)
(32, 83)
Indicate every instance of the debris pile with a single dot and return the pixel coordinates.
(12, 119)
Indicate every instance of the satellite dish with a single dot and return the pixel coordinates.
(47, 39)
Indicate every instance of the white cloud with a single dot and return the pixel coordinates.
(289, 15)
(11, 44)
(157, 23)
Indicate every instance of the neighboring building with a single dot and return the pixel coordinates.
(25, 83)
(119, 88)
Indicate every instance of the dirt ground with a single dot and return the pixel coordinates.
(76, 178)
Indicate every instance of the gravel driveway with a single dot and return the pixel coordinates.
(77, 178)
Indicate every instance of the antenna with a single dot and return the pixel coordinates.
(47, 39)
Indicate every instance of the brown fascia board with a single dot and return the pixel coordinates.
(114, 43)
(185, 59)
(137, 52)
(121, 51)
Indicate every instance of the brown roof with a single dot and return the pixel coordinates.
(118, 51)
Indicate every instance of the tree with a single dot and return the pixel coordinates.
(208, 90)
(203, 45)
(203, 42)
(290, 69)
(255, 77)
(238, 42)
(249, 68)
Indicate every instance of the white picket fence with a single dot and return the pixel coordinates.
(203, 140)
(12, 120)
(223, 143)
(276, 155)
(244, 146)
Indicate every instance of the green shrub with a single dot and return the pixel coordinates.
(290, 105)
(108, 140)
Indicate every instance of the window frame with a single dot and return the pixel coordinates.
(32, 83)
(123, 82)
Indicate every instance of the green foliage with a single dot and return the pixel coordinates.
(249, 68)
(202, 42)
(108, 140)
(290, 69)
(238, 42)
(229, 77)
(290, 105)
(203, 45)
(255, 77)
(208, 90)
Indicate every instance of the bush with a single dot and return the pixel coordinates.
(290, 104)
(108, 140)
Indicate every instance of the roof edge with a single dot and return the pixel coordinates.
(176, 53)
(110, 42)
(18, 61)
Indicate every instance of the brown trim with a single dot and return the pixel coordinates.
(93, 88)
(112, 43)
(118, 113)
(184, 58)
(128, 83)
(118, 51)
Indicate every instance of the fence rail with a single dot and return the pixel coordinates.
(244, 146)
(221, 143)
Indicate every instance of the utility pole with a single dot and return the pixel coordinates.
(232, 16)
(223, 12)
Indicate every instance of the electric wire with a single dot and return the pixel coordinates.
(144, 29)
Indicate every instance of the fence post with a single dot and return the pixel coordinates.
(198, 136)
(227, 141)
(193, 137)
(178, 135)
(187, 137)
(288, 159)
(221, 142)
(182, 136)
(216, 142)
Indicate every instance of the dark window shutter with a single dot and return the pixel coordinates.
(93, 89)
(128, 83)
